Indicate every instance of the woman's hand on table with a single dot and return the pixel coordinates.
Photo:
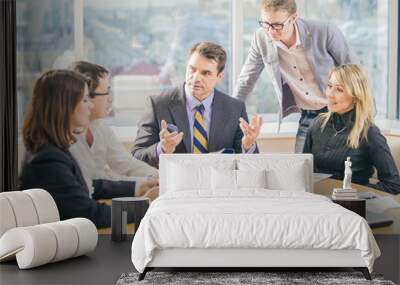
(146, 186)
(152, 194)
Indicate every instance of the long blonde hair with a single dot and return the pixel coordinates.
(355, 82)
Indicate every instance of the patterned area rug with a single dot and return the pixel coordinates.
(225, 278)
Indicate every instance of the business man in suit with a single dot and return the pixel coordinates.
(298, 55)
(206, 119)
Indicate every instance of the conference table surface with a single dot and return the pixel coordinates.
(325, 188)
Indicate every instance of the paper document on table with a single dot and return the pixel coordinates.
(378, 204)
(317, 177)
(225, 150)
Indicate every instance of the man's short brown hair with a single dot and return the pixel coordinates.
(93, 72)
(211, 51)
(279, 5)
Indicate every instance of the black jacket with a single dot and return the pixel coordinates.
(55, 170)
(330, 150)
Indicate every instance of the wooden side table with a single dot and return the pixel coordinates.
(355, 205)
(388, 238)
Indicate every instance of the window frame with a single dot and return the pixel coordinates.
(394, 67)
(397, 34)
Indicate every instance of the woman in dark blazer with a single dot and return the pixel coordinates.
(59, 107)
(348, 130)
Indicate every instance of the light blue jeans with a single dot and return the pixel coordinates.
(307, 116)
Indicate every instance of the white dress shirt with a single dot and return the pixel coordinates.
(107, 158)
(298, 73)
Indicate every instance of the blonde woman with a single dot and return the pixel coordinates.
(348, 129)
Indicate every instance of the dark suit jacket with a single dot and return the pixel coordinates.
(55, 170)
(171, 106)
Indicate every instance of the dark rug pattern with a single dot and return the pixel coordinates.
(269, 278)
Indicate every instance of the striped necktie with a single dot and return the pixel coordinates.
(200, 142)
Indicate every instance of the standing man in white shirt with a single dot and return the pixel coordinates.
(99, 154)
(298, 55)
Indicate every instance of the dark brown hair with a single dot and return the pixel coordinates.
(47, 120)
(92, 71)
(279, 5)
(211, 51)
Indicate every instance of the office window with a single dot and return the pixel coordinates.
(398, 62)
(366, 28)
(145, 45)
(44, 40)
(263, 99)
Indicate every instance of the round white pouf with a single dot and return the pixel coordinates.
(23, 208)
(87, 235)
(33, 246)
(7, 218)
(67, 240)
(45, 205)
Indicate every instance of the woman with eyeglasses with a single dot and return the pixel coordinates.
(348, 130)
(100, 155)
(297, 54)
